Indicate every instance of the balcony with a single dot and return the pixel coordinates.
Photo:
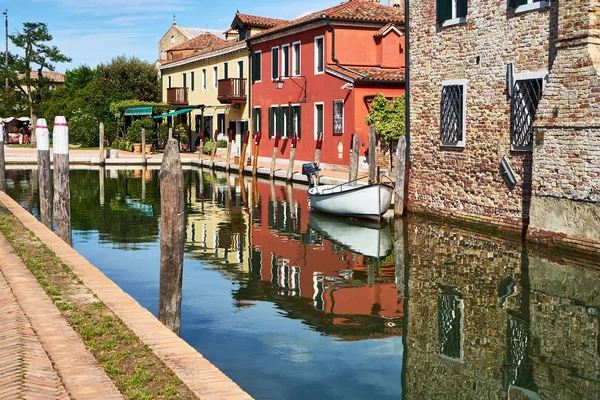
(177, 96)
(232, 90)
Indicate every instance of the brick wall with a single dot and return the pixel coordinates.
(466, 182)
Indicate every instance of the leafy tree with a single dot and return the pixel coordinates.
(388, 119)
(79, 78)
(83, 129)
(128, 78)
(134, 132)
(38, 55)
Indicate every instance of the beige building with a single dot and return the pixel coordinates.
(177, 35)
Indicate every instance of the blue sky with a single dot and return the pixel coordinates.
(95, 31)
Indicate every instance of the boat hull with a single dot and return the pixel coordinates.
(369, 201)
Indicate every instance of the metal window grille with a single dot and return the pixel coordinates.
(451, 118)
(338, 116)
(526, 97)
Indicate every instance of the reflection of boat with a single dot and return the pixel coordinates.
(366, 201)
(363, 237)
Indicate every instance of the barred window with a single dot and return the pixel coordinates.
(525, 99)
(452, 113)
(450, 322)
(338, 117)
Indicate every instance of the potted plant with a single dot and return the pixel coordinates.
(134, 133)
(182, 131)
(184, 142)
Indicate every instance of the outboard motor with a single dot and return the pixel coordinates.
(311, 170)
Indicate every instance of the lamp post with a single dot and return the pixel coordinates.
(280, 82)
(5, 13)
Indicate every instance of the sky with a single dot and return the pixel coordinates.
(95, 31)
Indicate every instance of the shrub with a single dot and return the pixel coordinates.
(208, 145)
(221, 144)
(134, 132)
(83, 129)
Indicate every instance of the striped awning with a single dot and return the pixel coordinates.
(140, 110)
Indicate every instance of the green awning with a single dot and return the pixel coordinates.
(176, 112)
(141, 110)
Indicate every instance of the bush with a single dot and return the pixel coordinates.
(134, 132)
(221, 144)
(84, 129)
(208, 145)
(163, 133)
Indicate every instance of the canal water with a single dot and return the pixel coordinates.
(296, 305)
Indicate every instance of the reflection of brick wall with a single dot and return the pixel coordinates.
(467, 182)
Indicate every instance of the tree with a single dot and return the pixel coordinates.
(128, 78)
(388, 119)
(79, 78)
(33, 40)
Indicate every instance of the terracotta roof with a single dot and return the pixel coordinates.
(191, 33)
(200, 42)
(383, 31)
(52, 76)
(260, 22)
(357, 10)
(369, 73)
(223, 46)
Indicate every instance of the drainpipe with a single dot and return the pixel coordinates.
(335, 60)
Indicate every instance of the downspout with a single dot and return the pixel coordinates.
(335, 60)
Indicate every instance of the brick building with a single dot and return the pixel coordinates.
(481, 72)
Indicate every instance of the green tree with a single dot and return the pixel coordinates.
(388, 119)
(128, 78)
(27, 73)
(79, 78)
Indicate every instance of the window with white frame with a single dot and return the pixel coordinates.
(240, 66)
(215, 77)
(285, 60)
(192, 79)
(275, 63)
(319, 54)
(296, 58)
(338, 117)
(527, 91)
(225, 70)
(451, 12)
(184, 80)
(257, 66)
(527, 5)
(319, 109)
(204, 78)
(295, 121)
(256, 120)
(453, 113)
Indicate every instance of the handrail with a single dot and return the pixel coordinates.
(344, 183)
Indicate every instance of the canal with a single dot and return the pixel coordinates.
(294, 305)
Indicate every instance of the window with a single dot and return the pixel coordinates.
(221, 123)
(527, 5)
(319, 55)
(295, 121)
(318, 119)
(184, 80)
(215, 76)
(452, 113)
(257, 120)
(169, 79)
(285, 60)
(450, 323)
(282, 121)
(240, 65)
(192, 80)
(256, 66)
(225, 70)
(204, 78)
(527, 92)
(272, 121)
(338, 117)
(451, 12)
(296, 58)
(275, 63)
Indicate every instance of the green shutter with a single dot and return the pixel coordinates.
(444, 10)
(517, 3)
(297, 109)
(271, 123)
(462, 8)
(280, 126)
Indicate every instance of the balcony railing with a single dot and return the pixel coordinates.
(177, 95)
(232, 90)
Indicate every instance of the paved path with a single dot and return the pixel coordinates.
(41, 356)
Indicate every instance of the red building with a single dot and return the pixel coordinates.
(318, 73)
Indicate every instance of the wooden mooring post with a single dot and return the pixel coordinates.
(274, 155)
(101, 176)
(214, 148)
(354, 159)
(290, 171)
(372, 154)
(242, 159)
(255, 153)
(43, 160)
(229, 144)
(172, 231)
(400, 175)
(2, 161)
(201, 149)
(143, 146)
(62, 191)
(318, 148)
(101, 155)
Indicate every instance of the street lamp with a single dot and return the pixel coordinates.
(280, 82)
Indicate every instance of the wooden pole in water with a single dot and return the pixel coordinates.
(229, 142)
(255, 155)
(354, 157)
(319, 147)
(101, 156)
(201, 150)
(102, 173)
(2, 161)
(274, 156)
(62, 191)
(290, 171)
(400, 175)
(45, 189)
(372, 153)
(172, 232)
(144, 170)
(243, 155)
(214, 149)
(143, 146)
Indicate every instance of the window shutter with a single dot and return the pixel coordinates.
(280, 127)
(271, 121)
(444, 9)
(299, 116)
(462, 8)
(516, 3)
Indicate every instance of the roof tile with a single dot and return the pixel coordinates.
(260, 22)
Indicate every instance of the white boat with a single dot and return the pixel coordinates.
(369, 238)
(364, 201)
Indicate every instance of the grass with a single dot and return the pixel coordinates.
(135, 370)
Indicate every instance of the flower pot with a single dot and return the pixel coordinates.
(137, 173)
(184, 147)
(148, 148)
(137, 147)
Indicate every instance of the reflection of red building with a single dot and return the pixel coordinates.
(300, 264)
